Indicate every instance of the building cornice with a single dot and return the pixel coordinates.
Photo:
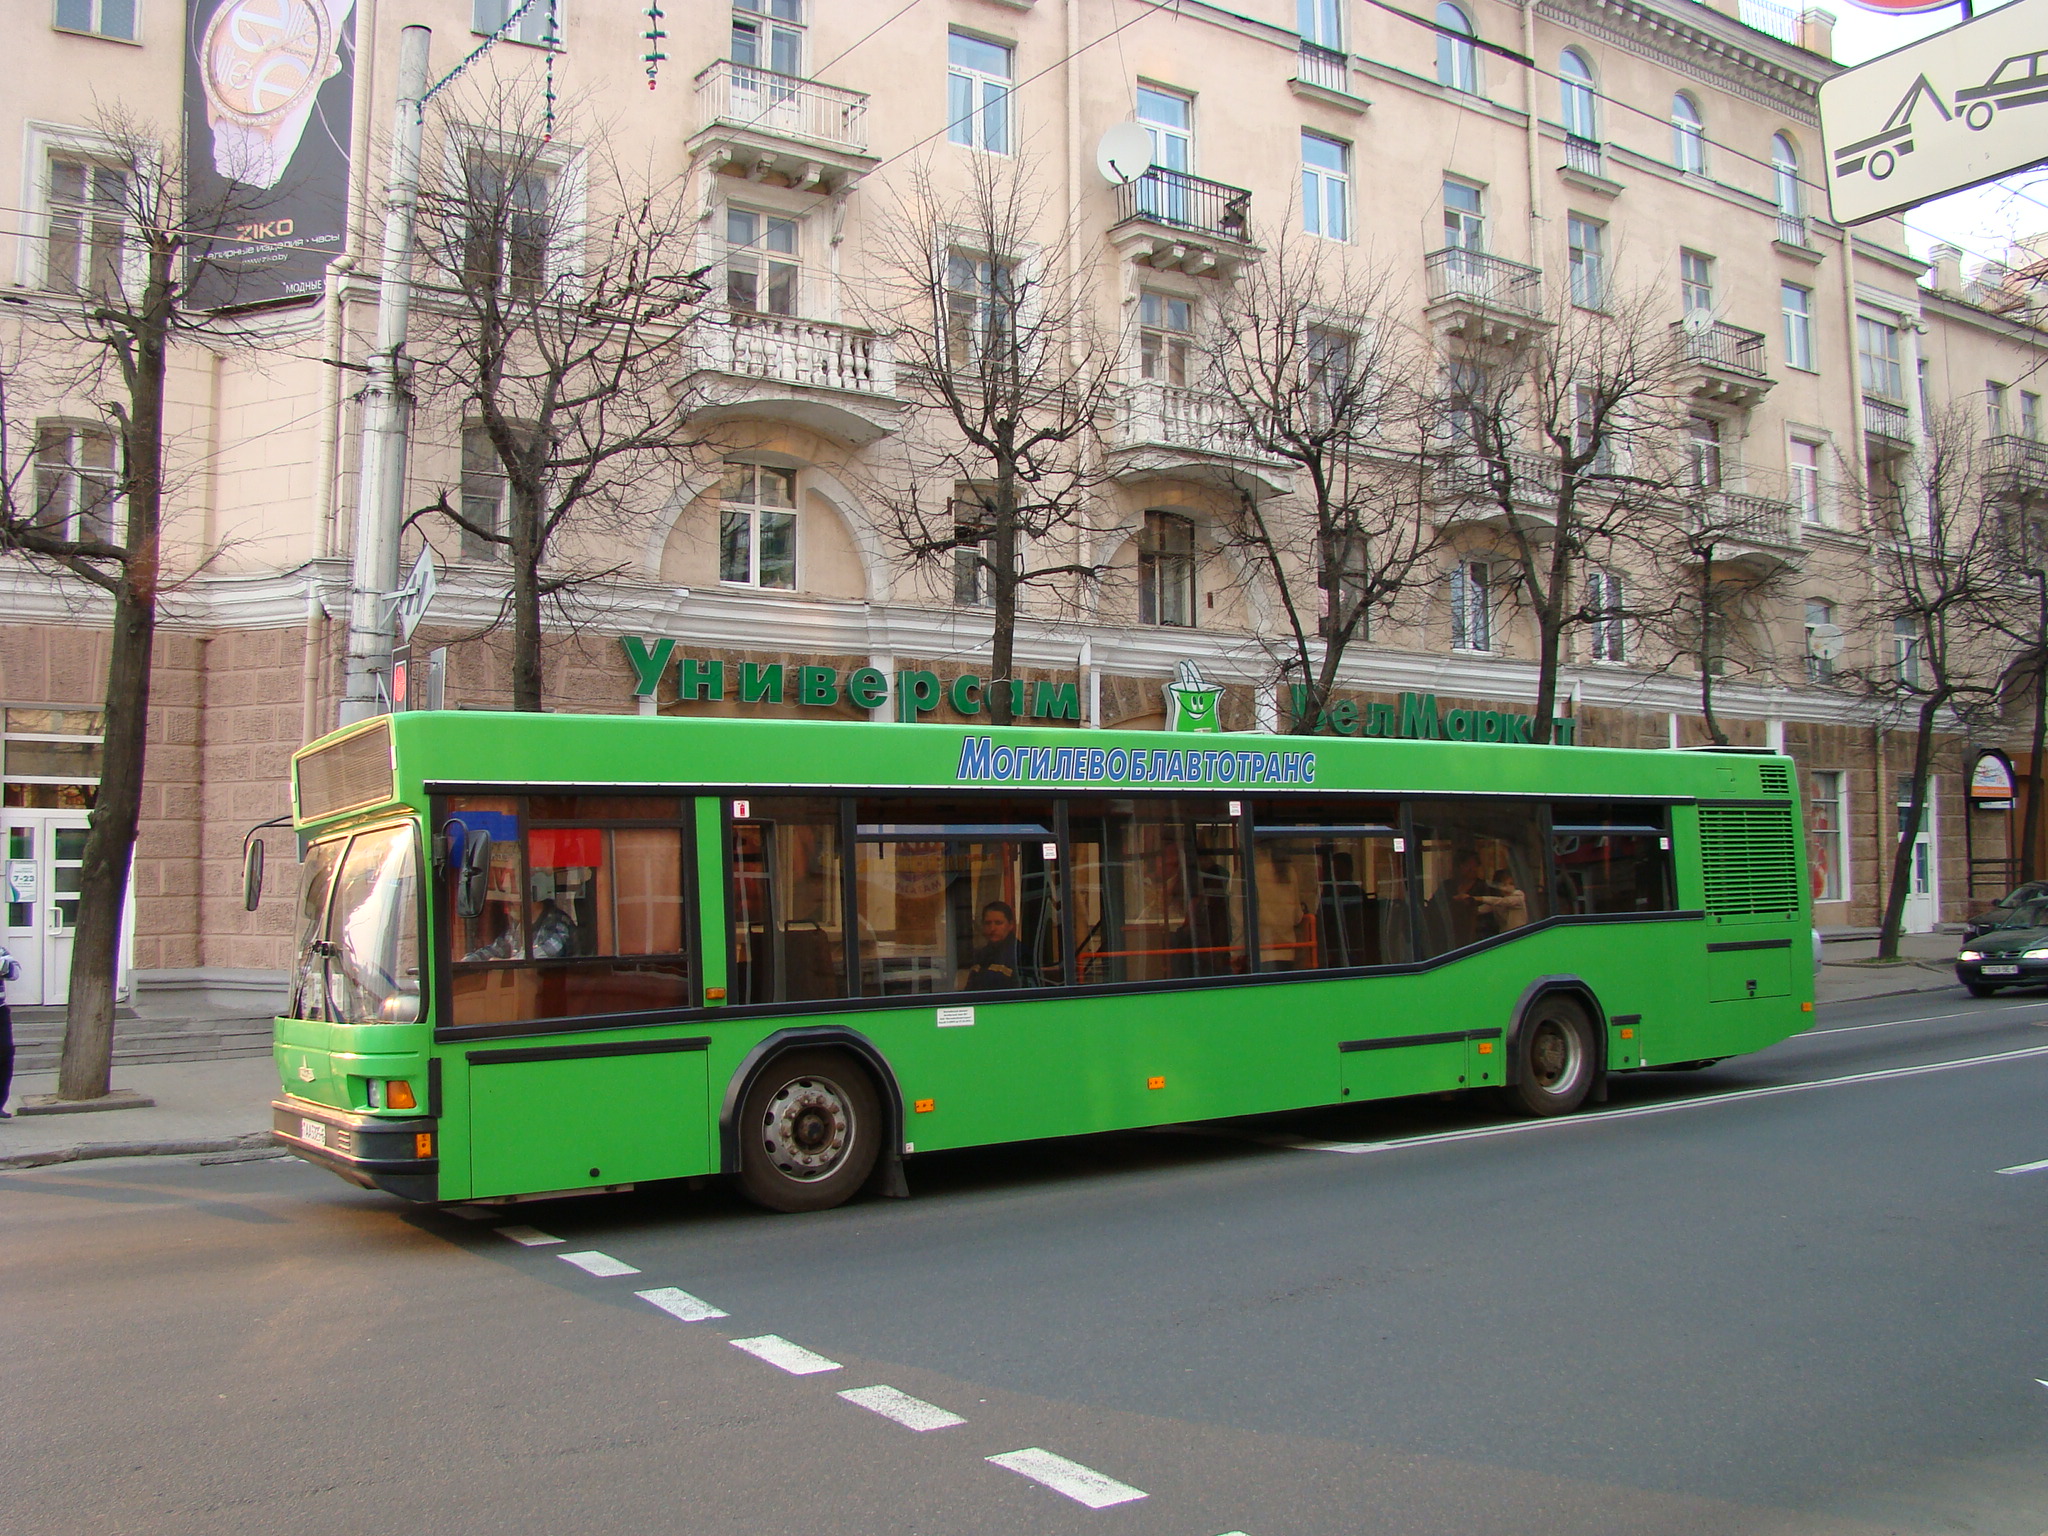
(1715, 49)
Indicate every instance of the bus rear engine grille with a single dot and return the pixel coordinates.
(1774, 778)
(355, 771)
(1751, 859)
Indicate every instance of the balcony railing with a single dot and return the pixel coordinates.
(1738, 517)
(1727, 347)
(813, 354)
(1472, 483)
(2018, 465)
(1325, 67)
(1181, 201)
(1584, 156)
(1887, 419)
(1177, 417)
(1792, 230)
(1456, 273)
(749, 97)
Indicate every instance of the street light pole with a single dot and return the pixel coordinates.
(387, 406)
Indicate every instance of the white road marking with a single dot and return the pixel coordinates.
(779, 1352)
(603, 1265)
(1082, 1484)
(527, 1237)
(1932, 1018)
(1310, 1144)
(2025, 1167)
(681, 1304)
(911, 1412)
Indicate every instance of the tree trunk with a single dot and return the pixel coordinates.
(2030, 824)
(527, 676)
(1003, 643)
(1715, 734)
(1916, 812)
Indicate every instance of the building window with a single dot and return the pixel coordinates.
(1827, 821)
(1321, 22)
(102, 18)
(1457, 61)
(757, 527)
(1696, 283)
(1820, 624)
(1805, 465)
(1577, 98)
(1588, 273)
(1906, 651)
(1995, 396)
(2030, 416)
(1877, 353)
(1785, 177)
(1165, 330)
(970, 551)
(486, 496)
(77, 482)
(1465, 388)
(540, 26)
(1325, 187)
(86, 248)
(1471, 606)
(1346, 583)
(769, 34)
(977, 307)
(1166, 571)
(505, 241)
(1606, 604)
(1703, 451)
(1464, 216)
(1795, 305)
(978, 93)
(760, 262)
(1327, 355)
(1688, 136)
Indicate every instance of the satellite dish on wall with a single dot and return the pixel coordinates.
(1824, 641)
(1124, 153)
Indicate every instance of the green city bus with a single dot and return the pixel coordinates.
(558, 954)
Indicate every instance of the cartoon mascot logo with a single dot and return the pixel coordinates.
(1193, 705)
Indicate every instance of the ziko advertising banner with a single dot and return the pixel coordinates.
(269, 91)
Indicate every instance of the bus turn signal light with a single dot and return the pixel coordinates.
(423, 1144)
(1806, 1007)
(398, 1094)
(1486, 1047)
(925, 1106)
(1155, 1082)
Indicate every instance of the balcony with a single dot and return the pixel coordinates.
(1585, 166)
(837, 379)
(1474, 491)
(1888, 424)
(1482, 298)
(1739, 527)
(2016, 470)
(1172, 221)
(1169, 430)
(1723, 363)
(1324, 75)
(781, 128)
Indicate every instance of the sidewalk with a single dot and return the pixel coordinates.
(1851, 971)
(201, 1106)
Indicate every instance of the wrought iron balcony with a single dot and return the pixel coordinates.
(1585, 157)
(1171, 219)
(2016, 468)
(806, 132)
(1482, 297)
(1739, 520)
(1325, 67)
(1792, 230)
(1724, 362)
(1888, 421)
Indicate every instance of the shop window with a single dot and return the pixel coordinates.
(52, 758)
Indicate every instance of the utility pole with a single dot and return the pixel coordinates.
(387, 406)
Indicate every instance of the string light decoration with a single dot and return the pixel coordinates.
(654, 35)
(551, 43)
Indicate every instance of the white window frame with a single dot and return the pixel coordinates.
(1796, 326)
(1785, 189)
(40, 141)
(1839, 863)
(1321, 22)
(1607, 598)
(1688, 135)
(469, 488)
(1819, 611)
(752, 511)
(1997, 408)
(974, 123)
(1578, 98)
(1586, 263)
(565, 165)
(1892, 364)
(1156, 566)
(98, 8)
(1909, 639)
(2030, 416)
(769, 28)
(1163, 347)
(1464, 228)
(1457, 55)
(1695, 282)
(1326, 192)
(532, 31)
(77, 475)
(1472, 607)
(983, 300)
(1813, 507)
(760, 260)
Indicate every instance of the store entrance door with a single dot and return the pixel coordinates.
(1923, 879)
(44, 852)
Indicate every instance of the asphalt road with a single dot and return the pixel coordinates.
(1792, 1293)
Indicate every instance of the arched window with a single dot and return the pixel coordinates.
(1688, 135)
(1785, 176)
(1577, 97)
(1457, 61)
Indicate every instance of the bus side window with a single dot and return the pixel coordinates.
(1160, 890)
(1611, 860)
(1482, 871)
(788, 938)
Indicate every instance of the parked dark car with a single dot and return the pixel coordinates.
(2013, 954)
(2001, 909)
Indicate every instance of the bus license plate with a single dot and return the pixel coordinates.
(313, 1131)
(2001, 970)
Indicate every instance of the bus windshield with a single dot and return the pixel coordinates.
(359, 952)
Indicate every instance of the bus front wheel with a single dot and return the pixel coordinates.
(810, 1130)
(1554, 1060)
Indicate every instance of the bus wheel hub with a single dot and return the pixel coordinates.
(807, 1128)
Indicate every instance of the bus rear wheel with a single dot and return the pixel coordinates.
(810, 1129)
(1554, 1061)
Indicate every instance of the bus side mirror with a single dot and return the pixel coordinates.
(252, 875)
(474, 881)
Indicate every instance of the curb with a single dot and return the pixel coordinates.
(1870, 997)
(99, 1149)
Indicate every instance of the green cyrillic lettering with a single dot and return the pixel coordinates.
(759, 684)
(647, 665)
(700, 679)
(817, 686)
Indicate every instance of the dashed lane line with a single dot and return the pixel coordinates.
(783, 1355)
(681, 1304)
(603, 1265)
(1084, 1485)
(901, 1408)
(526, 1237)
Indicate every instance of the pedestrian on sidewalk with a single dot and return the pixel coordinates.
(10, 969)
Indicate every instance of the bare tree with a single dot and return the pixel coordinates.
(1316, 376)
(123, 261)
(1010, 380)
(562, 311)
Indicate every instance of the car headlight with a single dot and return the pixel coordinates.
(2035, 954)
(1970, 954)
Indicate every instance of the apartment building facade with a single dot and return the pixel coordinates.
(1488, 173)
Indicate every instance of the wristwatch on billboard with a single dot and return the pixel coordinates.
(261, 64)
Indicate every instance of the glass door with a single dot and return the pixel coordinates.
(45, 854)
(1923, 882)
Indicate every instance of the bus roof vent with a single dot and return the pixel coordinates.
(345, 775)
(1751, 858)
(1774, 778)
